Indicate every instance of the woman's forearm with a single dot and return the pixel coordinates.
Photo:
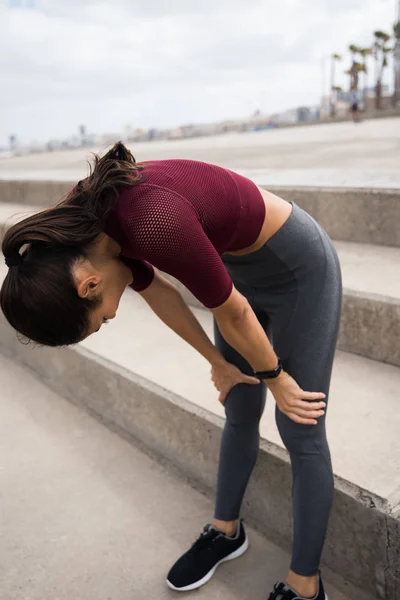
(171, 308)
(246, 335)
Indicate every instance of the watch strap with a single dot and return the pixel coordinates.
(270, 374)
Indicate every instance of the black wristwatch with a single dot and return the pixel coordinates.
(270, 374)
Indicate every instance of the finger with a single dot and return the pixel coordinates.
(307, 414)
(304, 405)
(251, 380)
(301, 420)
(311, 395)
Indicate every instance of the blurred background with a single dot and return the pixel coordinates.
(84, 73)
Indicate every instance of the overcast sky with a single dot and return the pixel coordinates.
(108, 64)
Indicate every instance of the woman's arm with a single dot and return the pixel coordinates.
(242, 330)
(167, 303)
(236, 320)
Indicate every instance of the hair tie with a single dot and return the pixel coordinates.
(15, 261)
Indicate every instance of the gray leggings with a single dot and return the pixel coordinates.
(293, 284)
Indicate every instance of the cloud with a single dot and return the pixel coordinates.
(164, 62)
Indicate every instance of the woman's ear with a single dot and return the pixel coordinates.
(89, 287)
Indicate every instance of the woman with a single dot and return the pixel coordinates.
(265, 269)
(354, 105)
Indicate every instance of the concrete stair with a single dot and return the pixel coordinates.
(370, 323)
(86, 514)
(134, 375)
(364, 215)
(371, 305)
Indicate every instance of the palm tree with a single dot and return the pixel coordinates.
(354, 50)
(356, 67)
(365, 52)
(396, 30)
(334, 58)
(354, 72)
(381, 51)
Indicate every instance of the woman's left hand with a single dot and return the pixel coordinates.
(225, 375)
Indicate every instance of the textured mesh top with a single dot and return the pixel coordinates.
(180, 219)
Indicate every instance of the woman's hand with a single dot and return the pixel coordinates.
(225, 375)
(292, 400)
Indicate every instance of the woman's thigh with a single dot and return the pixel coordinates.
(245, 403)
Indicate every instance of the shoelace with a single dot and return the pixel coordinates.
(208, 536)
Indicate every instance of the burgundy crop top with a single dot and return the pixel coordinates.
(180, 219)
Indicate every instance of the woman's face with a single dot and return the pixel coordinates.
(106, 277)
(111, 287)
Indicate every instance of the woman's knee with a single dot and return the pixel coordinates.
(245, 404)
(302, 439)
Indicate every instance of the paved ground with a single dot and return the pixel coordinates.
(339, 154)
(85, 515)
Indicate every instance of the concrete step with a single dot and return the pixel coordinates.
(370, 323)
(13, 213)
(139, 375)
(367, 216)
(371, 307)
(86, 514)
(137, 341)
(369, 269)
(364, 215)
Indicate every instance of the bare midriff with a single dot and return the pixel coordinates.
(277, 212)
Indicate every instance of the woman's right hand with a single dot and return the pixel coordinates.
(300, 406)
(226, 375)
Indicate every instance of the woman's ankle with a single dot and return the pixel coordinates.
(229, 528)
(306, 587)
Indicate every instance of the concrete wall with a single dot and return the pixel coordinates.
(370, 324)
(369, 216)
(34, 193)
(357, 215)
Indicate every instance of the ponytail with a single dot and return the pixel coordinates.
(97, 194)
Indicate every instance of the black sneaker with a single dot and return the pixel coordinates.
(282, 591)
(196, 567)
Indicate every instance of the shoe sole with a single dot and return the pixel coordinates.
(206, 578)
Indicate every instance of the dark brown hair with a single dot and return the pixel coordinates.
(38, 296)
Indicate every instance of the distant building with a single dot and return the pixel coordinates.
(304, 113)
(288, 117)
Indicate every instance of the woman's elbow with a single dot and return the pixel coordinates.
(234, 310)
